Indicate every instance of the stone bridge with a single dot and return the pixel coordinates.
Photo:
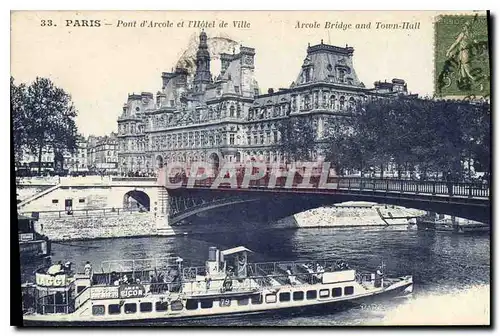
(161, 209)
(467, 200)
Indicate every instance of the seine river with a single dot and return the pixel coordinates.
(451, 272)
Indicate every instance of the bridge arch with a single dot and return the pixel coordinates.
(136, 200)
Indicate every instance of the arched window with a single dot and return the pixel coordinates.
(352, 104)
(231, 111)
(238, 111)
(332, 102)
(342, 102)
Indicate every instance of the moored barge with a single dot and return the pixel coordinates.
(162, 289)
(31, 243)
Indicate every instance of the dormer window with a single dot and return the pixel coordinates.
(307, 102)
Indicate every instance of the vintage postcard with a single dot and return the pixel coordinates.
(251, 168)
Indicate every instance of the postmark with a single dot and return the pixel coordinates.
(462, 67)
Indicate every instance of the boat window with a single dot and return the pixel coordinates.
(298, 296)
(114, 309)
(324, 293)
(98, 310)
(207, 303)
(243, 301)
(161, 306)
(284, 297)
(256, 299)
(270, 298)
(176, 305)
(80, 288)
(336, 292)
(191, 304)
(311, 294)
(145, 307)
(130, 308)
(349, 290)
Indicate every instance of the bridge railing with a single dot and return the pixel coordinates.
(134, 178)
(82, 212)
(351, 183)
(415, 186)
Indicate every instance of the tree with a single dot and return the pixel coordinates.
(50, 119)
(297, 138)
(422, 134)
(18, 115)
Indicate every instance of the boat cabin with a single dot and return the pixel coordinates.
(226, 277)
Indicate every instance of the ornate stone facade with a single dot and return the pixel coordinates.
(207, 118)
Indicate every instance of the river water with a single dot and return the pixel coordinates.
(451, 272)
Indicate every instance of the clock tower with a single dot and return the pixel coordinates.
(202, 76)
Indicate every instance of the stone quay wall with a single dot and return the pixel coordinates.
(97, 226)
(349, 216)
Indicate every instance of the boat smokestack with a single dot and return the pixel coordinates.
(213, 260)
(212, 253)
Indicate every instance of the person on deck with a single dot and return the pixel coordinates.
(67, 267)
(88, 269)
(291, 277)
(378, 277)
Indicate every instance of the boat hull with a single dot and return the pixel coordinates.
(448, 227)
(316, 308)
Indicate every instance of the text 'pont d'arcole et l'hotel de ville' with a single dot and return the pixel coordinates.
(199, 117)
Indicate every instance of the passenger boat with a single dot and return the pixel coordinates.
(163, 289)
(447, 225)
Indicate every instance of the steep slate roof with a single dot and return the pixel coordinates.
(325, 59)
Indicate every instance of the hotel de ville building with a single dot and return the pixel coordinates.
(200, 117)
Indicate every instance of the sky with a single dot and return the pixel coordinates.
(100, 66)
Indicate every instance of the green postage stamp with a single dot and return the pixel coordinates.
(461, 61)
